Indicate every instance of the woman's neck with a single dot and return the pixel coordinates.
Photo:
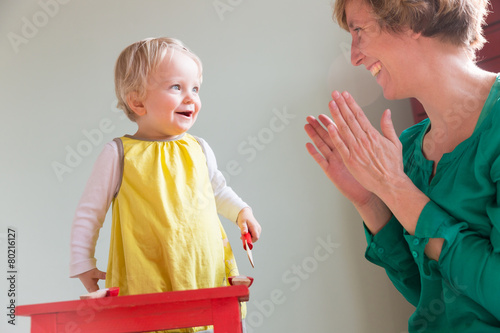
(452, 88)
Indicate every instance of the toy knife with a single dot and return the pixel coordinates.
(248, 246)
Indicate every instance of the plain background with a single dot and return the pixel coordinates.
(267, 65)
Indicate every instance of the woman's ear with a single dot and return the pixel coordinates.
(135, 103)
(415, 35)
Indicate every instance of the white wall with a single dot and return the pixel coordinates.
(261, 58)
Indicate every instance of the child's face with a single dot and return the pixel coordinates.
(172, 102)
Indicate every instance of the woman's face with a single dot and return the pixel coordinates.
(383, 53)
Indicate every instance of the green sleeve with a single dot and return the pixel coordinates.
(469, 262)
(389, 250)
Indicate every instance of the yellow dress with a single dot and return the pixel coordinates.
(166, 233)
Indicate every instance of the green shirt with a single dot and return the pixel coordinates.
(461, 292)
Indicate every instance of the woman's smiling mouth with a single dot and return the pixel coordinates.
(375, 68)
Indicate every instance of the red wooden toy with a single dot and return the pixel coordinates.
(135, 313)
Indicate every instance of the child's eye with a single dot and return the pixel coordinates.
(176, 87)
(196, 89)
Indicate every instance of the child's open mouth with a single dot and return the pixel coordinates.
(186, 113)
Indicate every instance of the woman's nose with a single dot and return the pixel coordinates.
(356, 55)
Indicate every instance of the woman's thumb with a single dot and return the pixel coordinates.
(387, 126)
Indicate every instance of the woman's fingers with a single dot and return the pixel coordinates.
(311, 149)
(359, 122)
(325, 120)
(354, 128)
(319, 135)
(349, 135)
(319, 128)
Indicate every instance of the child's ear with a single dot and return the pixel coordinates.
(136, 104)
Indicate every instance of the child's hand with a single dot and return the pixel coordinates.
(247, 223)
(90, 279)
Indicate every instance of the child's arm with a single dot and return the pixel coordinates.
(90, 215)
(229, 204)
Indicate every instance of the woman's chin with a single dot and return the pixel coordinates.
(391, 94)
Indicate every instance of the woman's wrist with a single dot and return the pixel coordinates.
(406, 203)
(375, 214)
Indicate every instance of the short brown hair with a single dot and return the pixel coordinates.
(138, 61)
(459, 22)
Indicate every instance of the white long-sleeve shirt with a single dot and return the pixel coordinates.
(104, 184)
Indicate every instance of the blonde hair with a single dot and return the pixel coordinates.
(138, 61)
(456, 21)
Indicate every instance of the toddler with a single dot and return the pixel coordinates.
(163, 183)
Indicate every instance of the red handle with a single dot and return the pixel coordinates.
(247, 239)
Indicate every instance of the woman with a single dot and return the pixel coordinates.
(429, 200)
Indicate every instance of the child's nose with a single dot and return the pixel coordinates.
(189, 97)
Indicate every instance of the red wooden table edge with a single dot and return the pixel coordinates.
(240, 291)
